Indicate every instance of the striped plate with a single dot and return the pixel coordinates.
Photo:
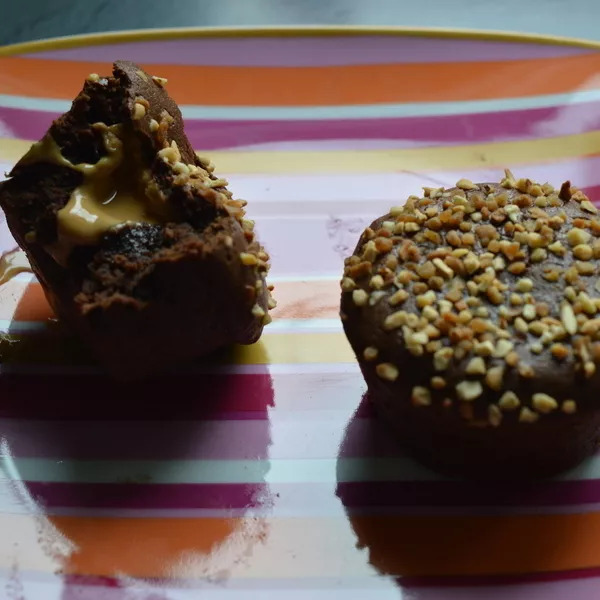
(263, 474)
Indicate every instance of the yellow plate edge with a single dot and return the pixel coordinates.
(96, 39)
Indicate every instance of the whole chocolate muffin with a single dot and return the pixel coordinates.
(139, 246)
(473, 312)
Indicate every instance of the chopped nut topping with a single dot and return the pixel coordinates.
(544, 403)
(509, 401)
(559, 351)
(467, 391)
(420, 396)
(527, 416)
(578, 236)
(520, 325)
(398, 297)
(503, 347)
(588, 206)
(248, 259)
(258, 311)
(442, 358)
(462, 263)
(360, 297)
(348, 284)
(476, 366)
(443, 268)
(377, 282)
(139, 111)
(438, 383)
(466, 184)
(524, 285)
(568, 319)
(161, 81)
(494, 415)
(370, 353)
(569, 407)
(387, 371)
(494, 377)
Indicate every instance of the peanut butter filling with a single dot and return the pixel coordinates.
(116, 190)
(12, 263)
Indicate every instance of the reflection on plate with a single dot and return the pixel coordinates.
(254, 472)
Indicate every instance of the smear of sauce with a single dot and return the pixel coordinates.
(12, 263)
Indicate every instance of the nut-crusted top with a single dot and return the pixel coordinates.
(483, 298)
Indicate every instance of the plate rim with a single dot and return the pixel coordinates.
(171, 33)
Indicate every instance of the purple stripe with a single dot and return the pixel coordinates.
(95, 397)
(184, 397)
(149, 496)
(452, 494)
(311, 51)
(316, 498)
(447, 129)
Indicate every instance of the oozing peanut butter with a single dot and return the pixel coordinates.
(115, 190)
(12, 263)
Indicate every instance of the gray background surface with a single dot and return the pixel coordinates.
(22, 20)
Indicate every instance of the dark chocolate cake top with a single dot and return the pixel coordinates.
(483, 297)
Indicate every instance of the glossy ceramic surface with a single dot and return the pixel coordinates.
(263, 473)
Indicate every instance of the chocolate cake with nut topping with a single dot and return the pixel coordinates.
(474, 313)
(140, 247)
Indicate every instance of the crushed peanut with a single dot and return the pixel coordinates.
(387, 371)
(461, 263)
(544, 403)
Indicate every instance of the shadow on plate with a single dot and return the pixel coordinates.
(138, 484)
(426, 530)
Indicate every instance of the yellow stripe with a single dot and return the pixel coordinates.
(282, 348)
(385, 161)
(143, 35)
(296, 348)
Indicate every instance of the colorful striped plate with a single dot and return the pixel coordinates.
(264, 474)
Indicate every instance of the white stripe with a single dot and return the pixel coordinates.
(326, 470)
(366, 111)
(38, 586)
(346, 194)
(216, 471)
(321, 507)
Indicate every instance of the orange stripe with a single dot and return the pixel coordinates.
(331, 85)
(404, 545)
(296, 300)
(142, 547)
(484, 545)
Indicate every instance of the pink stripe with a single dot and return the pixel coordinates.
(185, 397)
(310, 51)
(575, 585)
(436, 130)
(306, 436)
(85, 440)
(571, 585)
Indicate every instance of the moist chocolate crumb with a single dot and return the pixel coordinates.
(145, 295)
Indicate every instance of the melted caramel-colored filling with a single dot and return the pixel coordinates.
(12, 263)
(115, 190)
